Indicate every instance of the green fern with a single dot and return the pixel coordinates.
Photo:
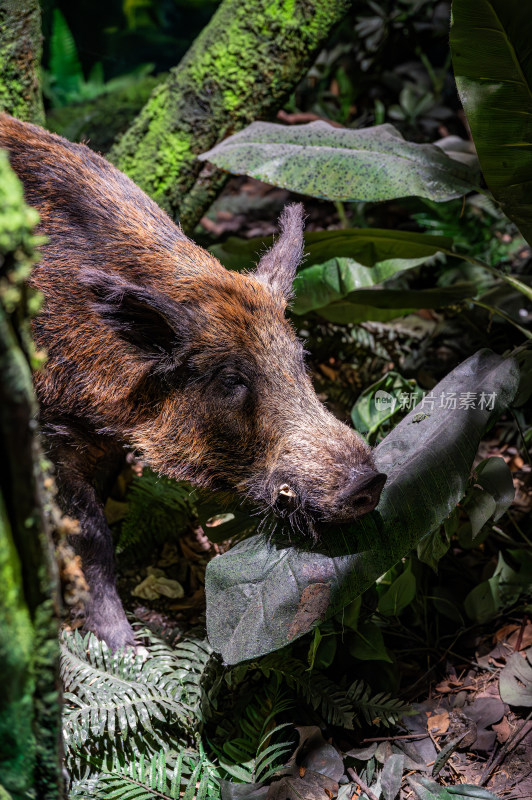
(130, 704)
(380, 708)
(254, 754)
(336, 705)
(66, 75)
(159, 509)
(185, 776)
(117, 694)
(318, 691)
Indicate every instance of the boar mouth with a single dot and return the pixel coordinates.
(310, 513)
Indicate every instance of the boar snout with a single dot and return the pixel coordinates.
(360, 495)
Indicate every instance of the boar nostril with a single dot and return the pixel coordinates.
(364, 493)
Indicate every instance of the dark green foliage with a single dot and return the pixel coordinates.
(336, 705)
(65, 82)
(103, 118)
(159, 509)
(250, 749)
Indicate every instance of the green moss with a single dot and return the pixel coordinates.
(20, 55)
(242, 66)
(29, 765)
(17, 744)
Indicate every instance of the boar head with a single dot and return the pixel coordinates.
(225, 400)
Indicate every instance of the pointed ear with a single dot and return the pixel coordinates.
(278, 266)
(145, 318)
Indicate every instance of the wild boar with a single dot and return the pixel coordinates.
(154, 346)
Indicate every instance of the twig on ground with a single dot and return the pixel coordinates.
(364, 787)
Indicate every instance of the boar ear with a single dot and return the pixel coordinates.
(141, 316)
(278, 266)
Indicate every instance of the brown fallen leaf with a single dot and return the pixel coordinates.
(526, 638)
(503, 633)
(449, 685)
(438, 723)
(503, 730)
(157, 585)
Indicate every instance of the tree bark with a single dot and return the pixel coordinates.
(242, 66)
(30, 741)
(20, 60)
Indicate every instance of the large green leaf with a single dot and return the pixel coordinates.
(317, 286)
(365, 164)
(260, 595)
(492, 59)
(362, 304)
(368, 246)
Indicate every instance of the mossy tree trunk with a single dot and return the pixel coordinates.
(20, 59)
(242, 67)
(30, 744)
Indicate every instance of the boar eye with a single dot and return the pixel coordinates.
(233, 385)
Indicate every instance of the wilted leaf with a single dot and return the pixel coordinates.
(364, 164)
(254, 590)
(157, 585)
(438, 723)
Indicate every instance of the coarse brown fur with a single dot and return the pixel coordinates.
(153, 345)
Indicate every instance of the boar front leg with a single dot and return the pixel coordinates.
(81, 492)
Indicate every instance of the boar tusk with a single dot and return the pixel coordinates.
(286, 491)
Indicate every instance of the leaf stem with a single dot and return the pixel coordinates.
(515, 282)
(502, 314)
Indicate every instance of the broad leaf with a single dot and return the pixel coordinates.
(392, 775)
(317, 286)
(261, 596)
(399, 595)
(383, 404)
(515, 682)
(492, 59)
(358, 305)
(368, 246)
(368, 164)
(427, 789)
(367, 644)
(491, 596)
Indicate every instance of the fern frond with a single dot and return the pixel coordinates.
(111, 698)
(159, 509)
(255, 753)
(192, 661)
(187, 776)
(322, 694)
(337, 706)
(379, 709)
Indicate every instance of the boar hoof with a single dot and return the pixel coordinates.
(116, 637)
(109, 624)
